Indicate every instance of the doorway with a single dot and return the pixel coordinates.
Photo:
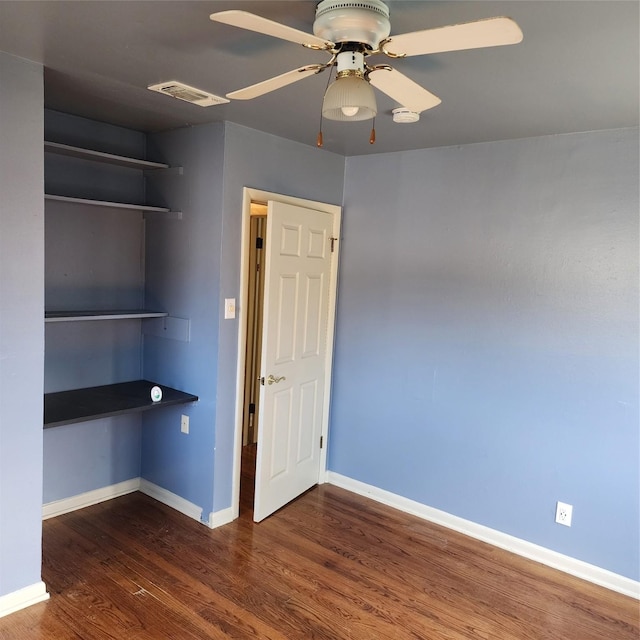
(252, 350)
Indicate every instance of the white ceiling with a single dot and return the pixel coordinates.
(576, 70)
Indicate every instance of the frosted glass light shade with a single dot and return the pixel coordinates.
(349, 98)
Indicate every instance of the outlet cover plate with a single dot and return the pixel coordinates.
(564, 513)
(229, 308)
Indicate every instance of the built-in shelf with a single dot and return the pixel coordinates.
(101, 314)
(113, 205)
(99, 156)
(82, 405)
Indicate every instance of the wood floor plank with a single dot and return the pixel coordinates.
(362, 568)
(152, 550)
(330, 566)
(120, 602)
(481, 576)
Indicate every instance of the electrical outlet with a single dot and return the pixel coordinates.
(564, 512)
(184, 424)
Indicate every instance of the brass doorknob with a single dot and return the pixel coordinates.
(271, 379)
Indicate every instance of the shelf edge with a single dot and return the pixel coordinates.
(101, 156)
(108, 401)
(78, 316)
(108, 204)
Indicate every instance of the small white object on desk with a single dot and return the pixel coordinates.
(156, 394)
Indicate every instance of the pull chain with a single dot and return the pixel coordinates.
(319, 139)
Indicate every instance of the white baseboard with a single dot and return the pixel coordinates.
(218, 518)
(58, 507)
(66, 505)
(578, 568)
(22, 598)
(171, 499)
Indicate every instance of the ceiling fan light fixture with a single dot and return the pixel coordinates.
(351, 30)
(350, 97)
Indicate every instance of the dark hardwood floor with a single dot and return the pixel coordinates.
(247, 478)
(331, 565)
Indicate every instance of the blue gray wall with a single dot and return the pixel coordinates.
(487, 339)
(183, 272)
(21, 317)
(192, 265)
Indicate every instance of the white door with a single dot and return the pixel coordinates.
(294, 349)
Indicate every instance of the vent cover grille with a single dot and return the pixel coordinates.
(182, 91)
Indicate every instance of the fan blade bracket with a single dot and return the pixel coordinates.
(382, 48)
(327, 46)
(378, 67)
(316, 68)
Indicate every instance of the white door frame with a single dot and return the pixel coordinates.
(250, 195)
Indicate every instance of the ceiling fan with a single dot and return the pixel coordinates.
(353, 30)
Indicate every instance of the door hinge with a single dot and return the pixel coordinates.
(321, 441)
(252, 407)
(259, 243)
(333, 242)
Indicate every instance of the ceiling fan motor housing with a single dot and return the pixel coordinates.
(363, 21)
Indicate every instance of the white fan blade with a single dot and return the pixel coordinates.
(491, 32)
(252, 22)
(403, 90)
(278, 82)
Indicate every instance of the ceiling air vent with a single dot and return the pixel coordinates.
(184, 92)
